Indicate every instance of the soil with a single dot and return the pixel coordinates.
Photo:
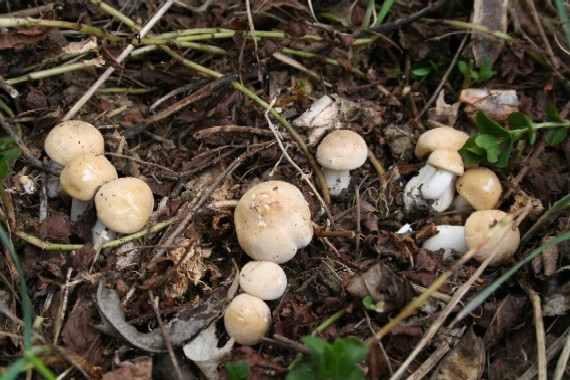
(178, 118)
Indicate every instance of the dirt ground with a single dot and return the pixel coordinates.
(186, 112)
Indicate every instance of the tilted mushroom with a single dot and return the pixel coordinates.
(82, 177)
(247, 319)
(263, 279)
(503, 244)
(272, 221)
(435, 182)
(479, 188)
(338, 153)
(447, 238)
(123, 205)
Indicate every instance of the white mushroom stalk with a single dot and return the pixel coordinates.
(448, 238)
(435, 183)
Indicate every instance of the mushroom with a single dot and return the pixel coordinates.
(123, 205)
(273, 220)
(71, 138)
(263, 279)
(82, 177)
(478, 188)
(503, 244)
(449, 238)
(439, 138)
(247, 319)
(435, 181)
(338, 153)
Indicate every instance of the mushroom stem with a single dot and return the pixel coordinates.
(78, 207)
(337, 180)
(436, 186)
(100, 231)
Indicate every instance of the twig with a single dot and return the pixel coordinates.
(545, 43)
(167, 343)
(28, 155)
(89, 93)
(197, 95)
(304, 176)
(562, 363)
(4, 85)
(550, 353)
(539, 328)
(444, 78)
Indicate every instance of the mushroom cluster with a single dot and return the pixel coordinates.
(478, 189)
(435, 183)
(123, 205)
(272, 221)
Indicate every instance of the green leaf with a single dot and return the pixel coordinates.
(503, 158)
(350, 350)
(3, 170)
(238, 370)
(9, 154)
(368, 303)
(518, 121)
(422, 71)
(491, 145)
(489, 126)
(486, 70)
(462, 66)
(555, 136)
(553, 115)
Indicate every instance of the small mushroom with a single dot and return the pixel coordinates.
(435, 181)
(504, 242)
(478, 187)
(71, 138)
(123, 205)
(272, 221)
(338, 153)
(247, 319)
(82, 177)
(263, 279)
(439, 138)
(449, 238)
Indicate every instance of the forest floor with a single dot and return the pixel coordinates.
(187, 112)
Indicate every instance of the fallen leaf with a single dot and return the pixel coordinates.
(466, 361)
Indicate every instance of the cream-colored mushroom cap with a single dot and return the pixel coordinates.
(448, 160)
(263, 279)
(273, 220)
(124, 205)
(342, 150)
(70, 138)
(85, 173)
(439, 138)
(480, 187)
(505, 241)
(247, 319)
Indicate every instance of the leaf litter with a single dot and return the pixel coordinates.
(220, 142)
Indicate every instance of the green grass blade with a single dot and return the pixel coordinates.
(26, 303)
(383, 12)
(485, 293)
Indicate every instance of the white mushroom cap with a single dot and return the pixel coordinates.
(124, 205)
(439, 138)
(263, 279)
(70, 138)
(448, 160)
(273, 220)
(247, 319)
(480, 187)
(342, 150)
(505, 241)
(85, 173)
